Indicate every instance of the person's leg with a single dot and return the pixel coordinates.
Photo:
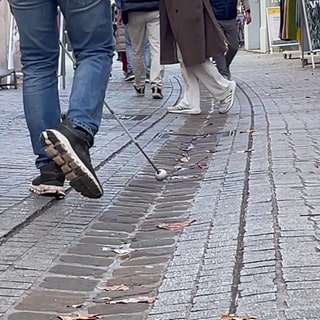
(229, 28)
(221, 61)
(190, 103)
(221, 89)
(39, 57)
(147, 57)
(231, 33)
(124, 62)
(128, 50)
(137, 34)
(153, 34)
(89, 27)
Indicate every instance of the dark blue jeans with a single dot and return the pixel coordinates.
(89, 27)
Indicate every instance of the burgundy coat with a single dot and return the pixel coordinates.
(192, 25)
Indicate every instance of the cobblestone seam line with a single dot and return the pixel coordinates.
(196, 266)
(278, 290)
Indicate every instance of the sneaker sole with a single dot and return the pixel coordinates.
(58, 147)
(47, 190)
(234, 87)
(185, 111)
(157, 96)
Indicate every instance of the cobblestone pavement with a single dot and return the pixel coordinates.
(248, 181)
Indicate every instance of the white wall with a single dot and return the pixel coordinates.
(4, 33)
(252, 31)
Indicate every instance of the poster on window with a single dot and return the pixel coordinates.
(312, 8)
(14, 56)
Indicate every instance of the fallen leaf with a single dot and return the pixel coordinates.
(140, 299)
(175, 226)
(119, 287)
(317, 164)
(184, 159)
(105, 298)
(234, 317)
(245, 151)
(75, 306)
(123, 252)
(81, 317)
(248, 131)
(202, 166)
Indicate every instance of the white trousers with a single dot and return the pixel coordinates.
(209, 76)
(140, 26)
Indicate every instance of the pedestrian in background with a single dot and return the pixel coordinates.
(142, 19)
(120, 36)
(147, 59)
(89, 28)
(226, 12)
(191, 35)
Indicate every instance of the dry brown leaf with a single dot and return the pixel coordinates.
(122, 252)
(119, 287)
(81, 317)
(184, 159)
(175, 226)
(234, 317)
(140, 299)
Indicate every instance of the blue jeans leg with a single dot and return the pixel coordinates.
(147, 57)
(37, 23)
(128, 50)
(89, 26)
(90, 31)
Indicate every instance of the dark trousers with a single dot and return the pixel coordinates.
(229, 28)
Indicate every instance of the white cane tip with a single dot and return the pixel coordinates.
(161, 175)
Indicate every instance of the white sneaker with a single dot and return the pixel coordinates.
(183, 110)
(226, 104)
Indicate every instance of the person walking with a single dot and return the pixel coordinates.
(61, 144)
(226, 12)
(190, 35)
(142, 18)
(130, 75)
(147, 60)
(120, 38)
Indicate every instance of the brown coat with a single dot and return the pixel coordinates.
(192, 25)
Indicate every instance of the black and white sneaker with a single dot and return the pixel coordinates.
(129, 76)
(69, 148)
(226, 104)
(49, 182)
(156, 93)
(139, 90)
